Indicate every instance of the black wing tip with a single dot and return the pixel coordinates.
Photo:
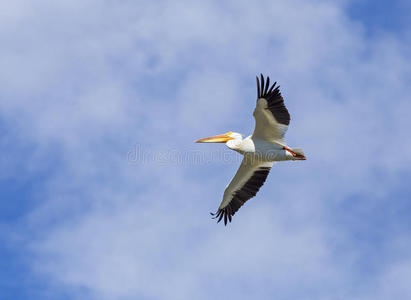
(264, 90)
(275, 101)
(224, 213)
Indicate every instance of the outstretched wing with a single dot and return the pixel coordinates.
(245, 184)
(271, 115)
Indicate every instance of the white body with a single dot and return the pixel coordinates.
(260, 150)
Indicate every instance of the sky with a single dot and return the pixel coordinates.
(104, 195)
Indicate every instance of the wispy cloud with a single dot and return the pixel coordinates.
(86, 83)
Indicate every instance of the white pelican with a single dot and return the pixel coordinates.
(261, 149)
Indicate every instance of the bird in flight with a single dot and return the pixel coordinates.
(260, 150)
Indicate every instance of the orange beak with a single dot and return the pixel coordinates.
(222, 138)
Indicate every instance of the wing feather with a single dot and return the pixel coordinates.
(271, 116)
(244, 185)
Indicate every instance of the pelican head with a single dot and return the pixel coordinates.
(222, 138)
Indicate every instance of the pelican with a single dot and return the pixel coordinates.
(260, 150)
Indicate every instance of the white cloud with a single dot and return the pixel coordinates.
(90, 80)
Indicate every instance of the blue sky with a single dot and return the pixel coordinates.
(85, 85)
